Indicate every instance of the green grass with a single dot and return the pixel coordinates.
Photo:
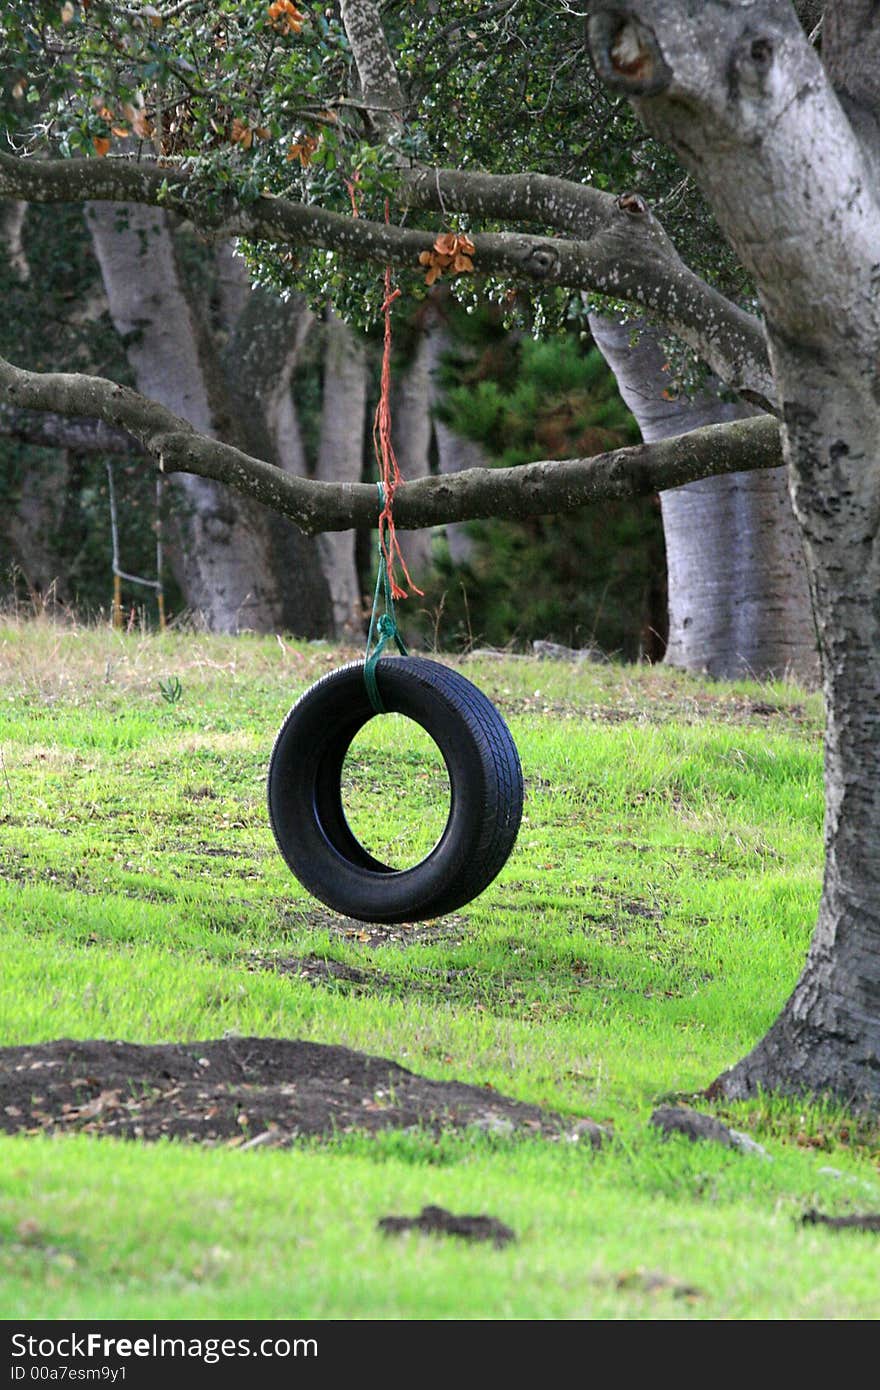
(645, 932)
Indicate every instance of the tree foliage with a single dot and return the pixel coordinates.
(253, 98)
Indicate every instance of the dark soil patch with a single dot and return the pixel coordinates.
(436, 1221)
(653, 1281)
(868, 1222)
(315, 969)
(450, 930)
(245, 1092)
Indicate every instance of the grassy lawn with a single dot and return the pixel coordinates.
(643, 935)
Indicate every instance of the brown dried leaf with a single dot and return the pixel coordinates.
(241, 134)
(446, 244)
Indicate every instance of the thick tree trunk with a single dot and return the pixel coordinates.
(32, 518)
(224, 556)
(828, 1035)
(739, 600)
(265, 338)
(745, 103)
(341, 459)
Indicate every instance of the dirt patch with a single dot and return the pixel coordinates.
(436, 1221)
(450, 930)
(245, 1092)
(316, 970)
(653, 1281)
(869, 1222)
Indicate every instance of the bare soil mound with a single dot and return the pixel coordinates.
(244, 1092)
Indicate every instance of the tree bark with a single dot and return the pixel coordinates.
(455, 453)
(263, 348)
(532, 489)
(377, 74)
(32, 519)
(341, 459)
(739, 599)
(223, 556)
(12, 220)
(32, 525)
(744, 101)
(411, 433)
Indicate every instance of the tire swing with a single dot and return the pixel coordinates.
(305, 770)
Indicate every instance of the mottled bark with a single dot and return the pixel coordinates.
(62, 432)
(32, 516)
(739, 599)
(740, 95)
(259, 359)
(630, 257)
(223, 556)
(262, 352)
(233, 288)
(377, 74)
(341, 459)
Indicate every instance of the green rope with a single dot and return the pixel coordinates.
(383, 628)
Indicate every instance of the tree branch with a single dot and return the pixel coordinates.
(528, 259)
(376, 69)
(528, 490)
(632, 259)
(84, 436)
(618, 260)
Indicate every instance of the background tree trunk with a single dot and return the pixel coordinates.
(12, 220)
(32, 517)
(264, 339)
(224, 558)
(32, 524)
(454, 452)
(341, 459)
(739, 601)
(411, 432)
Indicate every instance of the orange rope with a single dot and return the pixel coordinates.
(386, 457)
(382, 447)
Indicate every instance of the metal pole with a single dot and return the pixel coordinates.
(160, 590)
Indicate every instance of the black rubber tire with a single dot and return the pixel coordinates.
(305, 793)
